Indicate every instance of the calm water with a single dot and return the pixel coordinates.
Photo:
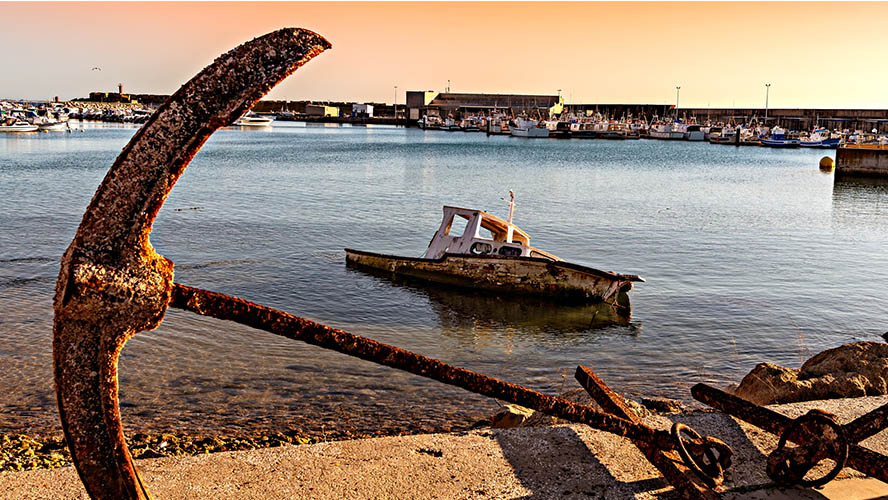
(750, 255)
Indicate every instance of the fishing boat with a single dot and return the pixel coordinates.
(528, 128)
(694, 132)
(723, 135)
(615, 131)
(449, 125)
(498, 125)
(558, 129)
(470, 124)
(583, 130)
(253, 120)
(779, 139)
(16, 125)
(429, 122)
(667, 131)
(495, 255)
(821, 138)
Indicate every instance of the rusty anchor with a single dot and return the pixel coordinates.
(818, 436)
(112, 284)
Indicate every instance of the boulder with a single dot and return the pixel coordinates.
(511, 415)
(852, 370)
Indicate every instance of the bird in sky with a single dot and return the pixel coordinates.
(96, 68)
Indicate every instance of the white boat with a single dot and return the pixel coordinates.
(16, 125)
(558, 128)
(694, 132)
(528, 128)
(428, 122)
(723, 135)
(498, 126)
(666, 131)
(253, 120)
(493, 254)
(53, 126)
(450, 125)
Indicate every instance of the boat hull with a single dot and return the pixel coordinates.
(512, 275)
(530, 132)
(780, 143)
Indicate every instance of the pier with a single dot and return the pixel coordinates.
(862, 161)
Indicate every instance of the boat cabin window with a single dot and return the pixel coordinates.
(457, 225)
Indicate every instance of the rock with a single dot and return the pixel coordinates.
(510, 416)
(852, 370)
(885, 336)
(662, 405)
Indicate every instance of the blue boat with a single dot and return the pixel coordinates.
(778, 139)
(820, 138)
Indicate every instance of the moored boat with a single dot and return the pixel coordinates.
(253, 120)
(16, 125)
(583, 130)
(528, 128)
(820, 138)
(694, 132)
(779, 139)
(495, 255)
(615, 131)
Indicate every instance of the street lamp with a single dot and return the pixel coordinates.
(767, 91)
(677, 89)
(395, 112)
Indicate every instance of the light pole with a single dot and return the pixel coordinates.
(767, 91)
(396, 102)
(677, 89)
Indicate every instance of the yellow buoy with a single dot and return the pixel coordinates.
(827, 164)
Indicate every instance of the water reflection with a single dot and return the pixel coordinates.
(860, 203)
(476, 312)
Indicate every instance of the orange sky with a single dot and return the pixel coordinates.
(721, 54)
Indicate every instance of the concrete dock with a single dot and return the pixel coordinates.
(563, 462)
(862, 161)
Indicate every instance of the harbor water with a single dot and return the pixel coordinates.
(750, 255)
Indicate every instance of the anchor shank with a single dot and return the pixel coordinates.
(264, 318)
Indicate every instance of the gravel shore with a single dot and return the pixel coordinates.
(565, 461)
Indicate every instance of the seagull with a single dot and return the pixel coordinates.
(96, 68)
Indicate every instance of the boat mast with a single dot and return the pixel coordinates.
(511, 206)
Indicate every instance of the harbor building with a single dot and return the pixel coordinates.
(420, 103)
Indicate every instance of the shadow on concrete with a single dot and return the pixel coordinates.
(557, 463)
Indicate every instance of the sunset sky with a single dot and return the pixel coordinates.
(720, 54)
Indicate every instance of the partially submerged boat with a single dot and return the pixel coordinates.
(495, 255)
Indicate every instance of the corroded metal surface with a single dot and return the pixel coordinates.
(519, 275)
(690, 484)
(112, 284)
(820, 437)
(802, 459)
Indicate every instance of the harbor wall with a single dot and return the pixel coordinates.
(861, 162)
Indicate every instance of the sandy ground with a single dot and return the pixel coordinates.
(564, 462)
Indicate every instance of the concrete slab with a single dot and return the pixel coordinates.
(565, 462)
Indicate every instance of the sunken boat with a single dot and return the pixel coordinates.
(495, 255)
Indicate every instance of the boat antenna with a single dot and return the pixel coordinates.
(511, 205)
